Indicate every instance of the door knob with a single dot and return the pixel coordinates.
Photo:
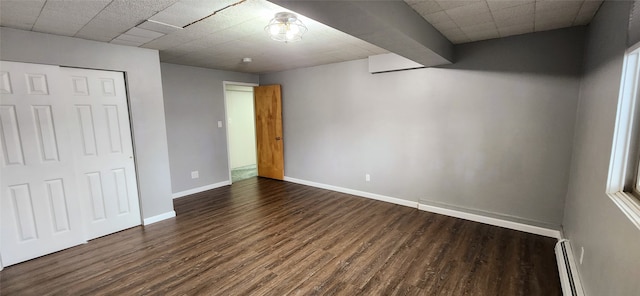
(278, 138)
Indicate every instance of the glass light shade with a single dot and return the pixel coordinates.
(286, 27)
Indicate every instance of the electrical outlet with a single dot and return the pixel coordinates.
(195, 175)
(581, 254)
(367, 177)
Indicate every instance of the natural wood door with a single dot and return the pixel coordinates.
(270, 148)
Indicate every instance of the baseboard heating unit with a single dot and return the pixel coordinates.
(567, 269)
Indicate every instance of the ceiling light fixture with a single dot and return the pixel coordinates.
(286, 27)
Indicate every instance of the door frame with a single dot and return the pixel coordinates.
(226, 119)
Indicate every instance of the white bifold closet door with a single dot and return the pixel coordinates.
(104, 163)
(67, 172)
(40, 206)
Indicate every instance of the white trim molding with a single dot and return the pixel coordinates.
(628, 204)
(226, 119)
(379, 197)
(555, 233)
(158, 218)
(200, 189)
(622, 165)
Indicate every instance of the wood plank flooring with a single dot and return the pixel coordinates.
(266, 237)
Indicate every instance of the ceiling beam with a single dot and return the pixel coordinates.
(392, 25)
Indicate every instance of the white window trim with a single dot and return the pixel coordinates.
(620, 152)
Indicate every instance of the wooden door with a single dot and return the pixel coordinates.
(270, 148)
(101, 134)
(39, 207)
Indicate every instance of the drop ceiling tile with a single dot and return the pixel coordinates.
(133, 38)
(101, 30)
(474, 8)
(445, 26)
(480, 28)
(56, 28)
(455, 32)
(513, 11)
(120, 16)
(20, 14)
(144, 33)
(449, 4)
(378, 50)
(484, 35)
(214, 39)
(587, 11)
(249, 10)
(185, 12)
(157, 27)
(166, 42)
(516, 20)
(459, 39)
(424, 6)
(516, 30)
(345, 55)
(438, 17)
(67, 17)
(250, 27)
(511, 16)
(126, 42)
(551, 25)
(372, 48)
(564, 5)
(501, 4)
(556, 16)
(475, 19)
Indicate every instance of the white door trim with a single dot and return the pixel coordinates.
(226, 119)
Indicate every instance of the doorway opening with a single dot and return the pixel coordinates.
(241, 130)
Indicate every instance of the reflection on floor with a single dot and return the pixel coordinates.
(244, 172)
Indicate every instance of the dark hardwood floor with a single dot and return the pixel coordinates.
(265, 237)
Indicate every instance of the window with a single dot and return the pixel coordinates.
(623, 185)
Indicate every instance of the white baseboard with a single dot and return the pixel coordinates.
(158, 218)
(200, 189)
(568, 270)
(493, 221)
(388, 199)
(438, 210)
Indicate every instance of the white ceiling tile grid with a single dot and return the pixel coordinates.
(473, 20)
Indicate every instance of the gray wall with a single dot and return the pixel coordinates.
(193, 104)
(142, 68)
(492, 133)
(611, 242)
